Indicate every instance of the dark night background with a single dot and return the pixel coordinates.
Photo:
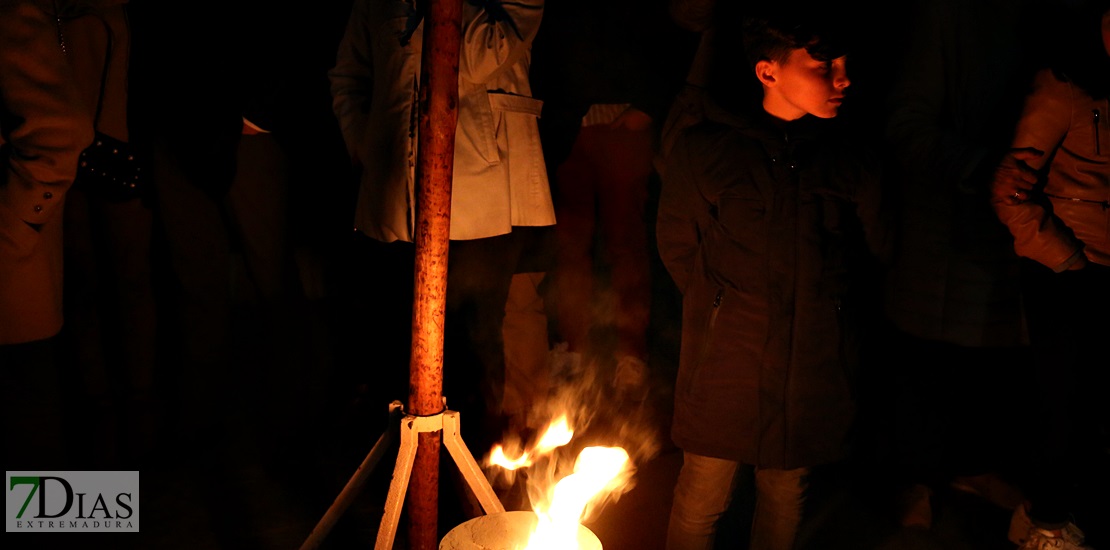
(195, 67)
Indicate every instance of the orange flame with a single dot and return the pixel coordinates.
(498, 458)
(595, 470)
(562, 499)
(558, 434)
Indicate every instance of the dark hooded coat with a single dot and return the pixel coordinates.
(764, 226)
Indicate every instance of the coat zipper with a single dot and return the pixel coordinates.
(709, 326)
(1098, 145)
(704, 350)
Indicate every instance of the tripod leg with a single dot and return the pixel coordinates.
(347, 495)
(402, 470)
(354, 485)
(471, 472)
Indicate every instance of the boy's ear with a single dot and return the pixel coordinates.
(765, 71)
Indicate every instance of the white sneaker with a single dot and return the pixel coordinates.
(1058, 539)
(1028, 536)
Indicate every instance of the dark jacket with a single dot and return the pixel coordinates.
(954, 99)
(762, 225)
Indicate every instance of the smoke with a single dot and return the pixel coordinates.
(598, 412)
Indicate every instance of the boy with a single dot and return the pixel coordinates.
(762, 218)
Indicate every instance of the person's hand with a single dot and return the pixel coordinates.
(633, 120)
(1014, 178)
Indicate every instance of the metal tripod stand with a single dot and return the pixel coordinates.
(410, 427)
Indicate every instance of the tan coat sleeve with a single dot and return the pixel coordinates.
(352, 80)
(43, 126)
(1044, 122)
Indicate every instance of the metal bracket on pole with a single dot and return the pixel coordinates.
(411, 427)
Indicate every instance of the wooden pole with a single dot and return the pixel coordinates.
(438, 109)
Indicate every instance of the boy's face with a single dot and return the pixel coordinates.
(803, 85)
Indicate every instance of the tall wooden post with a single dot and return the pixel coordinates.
(438, 108)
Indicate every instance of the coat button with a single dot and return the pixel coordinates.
(48, 195)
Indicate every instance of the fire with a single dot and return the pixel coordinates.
(595, 470)
(497, 457)
(557, 435)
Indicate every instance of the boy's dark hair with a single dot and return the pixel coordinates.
(773, 35)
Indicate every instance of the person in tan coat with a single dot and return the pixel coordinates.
(500, 194)
(43, 130)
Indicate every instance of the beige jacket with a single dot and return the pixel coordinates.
(500, 179)
(1073, 212)
(43, 129)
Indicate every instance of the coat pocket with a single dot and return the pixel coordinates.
(703, 348)
(477, 127)
(481, 120)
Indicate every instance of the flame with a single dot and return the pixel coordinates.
(558, 434)
(498, 458)
(562, 495)
(595, 470)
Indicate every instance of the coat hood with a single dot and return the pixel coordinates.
(752, 120)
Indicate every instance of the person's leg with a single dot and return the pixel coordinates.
(624, 165)
(198, 252)
(1047, 484)
(1068, 479)
(779, 502)
(985, 435)
(479, 275)
(572, 292)
(258, 201)
(82, 354)
(1091, 413)
(527, 376)
(131, 330)
(34, 438)
(922, 389)
(108, 343)
(279, 380)
(702, 494)
(624, 161)
(370, 326)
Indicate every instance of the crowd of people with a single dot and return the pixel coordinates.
(808, 237)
